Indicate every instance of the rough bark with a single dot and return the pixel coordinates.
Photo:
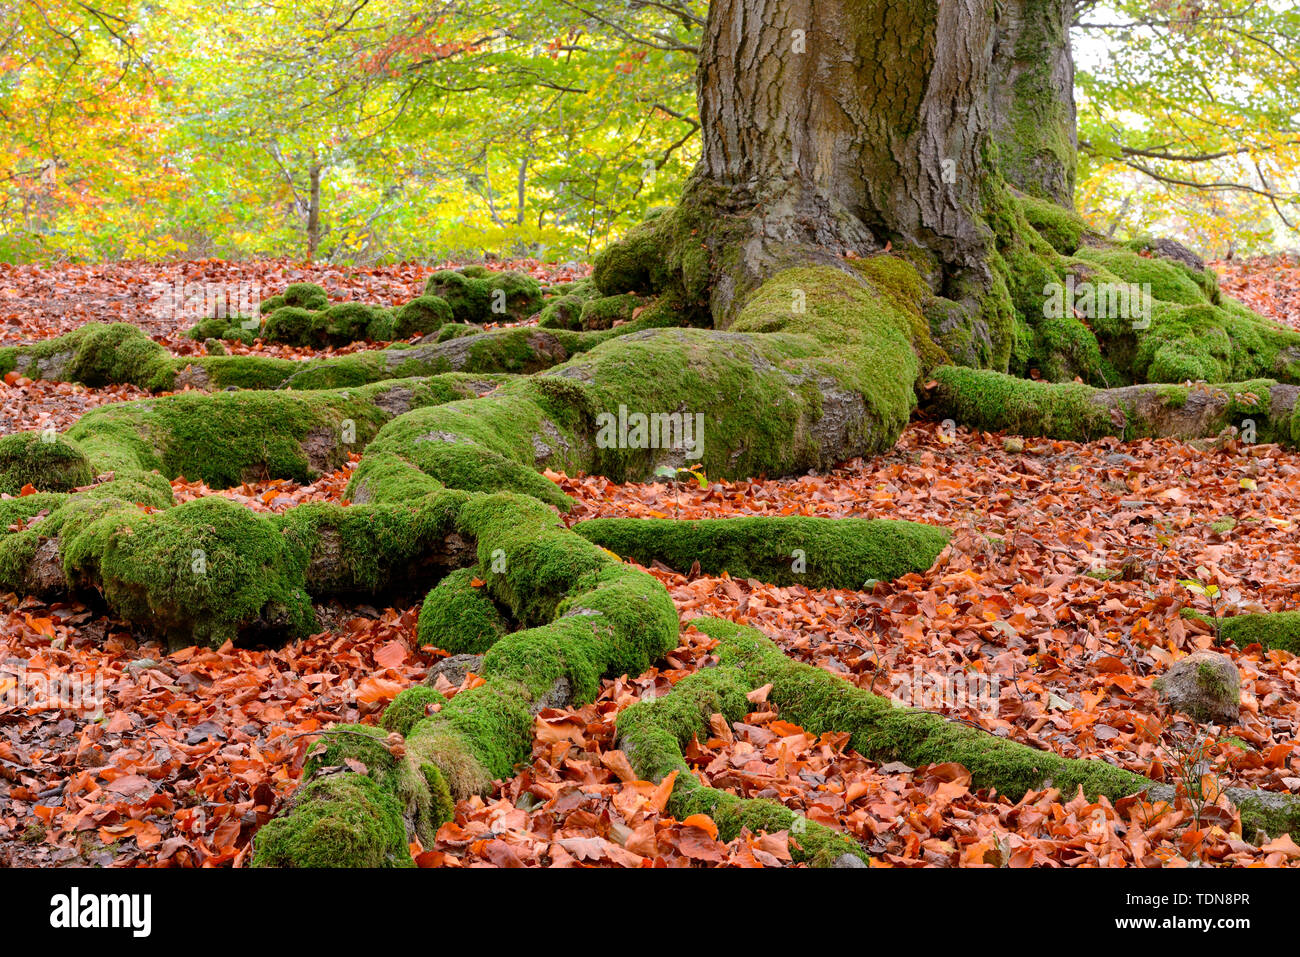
(836, 127)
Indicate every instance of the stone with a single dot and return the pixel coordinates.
(1205, 686)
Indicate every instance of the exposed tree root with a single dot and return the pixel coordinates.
(788, 550)
(585, 615)
(1265, 409)
(821, 702)
(1280, 630)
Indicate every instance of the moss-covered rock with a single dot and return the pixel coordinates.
(348, 322)
(43, 460)
(563, 312)
(816, 552)
(486, 296)
(208, 570)
(96, 354)
(289, 324)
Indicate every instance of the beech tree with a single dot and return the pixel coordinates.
(880, 218)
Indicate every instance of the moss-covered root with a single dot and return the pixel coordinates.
(1280, 630)
(821, 702)
(43, 460)
(459, 616)
(584, 615)
(463, 347)
(996, 402)
(789, 550)
(340, 820)
(820, 366)
(653, 733)
(210, 570)
(96, 354)
(231, 437)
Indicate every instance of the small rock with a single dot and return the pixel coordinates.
(1119, 458)
(454, 668)
(1205, 685)
(1013, 445)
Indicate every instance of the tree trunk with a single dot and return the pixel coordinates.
(313, 212)
(836, 128)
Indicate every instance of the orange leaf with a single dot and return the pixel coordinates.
(659, 800)
(704, 823)
(1283, 845)
(391, 654)
(378, 689)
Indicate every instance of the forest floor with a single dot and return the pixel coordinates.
(1060, 591)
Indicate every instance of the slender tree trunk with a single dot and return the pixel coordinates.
(313, 211)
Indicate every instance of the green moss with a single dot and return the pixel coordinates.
(97, 355)
(226, 438)
(206, 571)
(1273, 820)
(305, 295)
(1210, 681)
(230, 330)
(356, 746)
(289, 324)
(564, 312)
(239, 372)
(421, 316)
(480, 445)
(410, 707)
(1278, 630)
(458, 617)
(47, 462)
(469, 298)
(821, 702)
(457, 330)
(370, 551)
(343, 820)
(1062, 228)
(653, 733)
(1002, 403)
(348, 322)
(816, 552)
(603, 313)
(1170, 282)
(521, 294)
